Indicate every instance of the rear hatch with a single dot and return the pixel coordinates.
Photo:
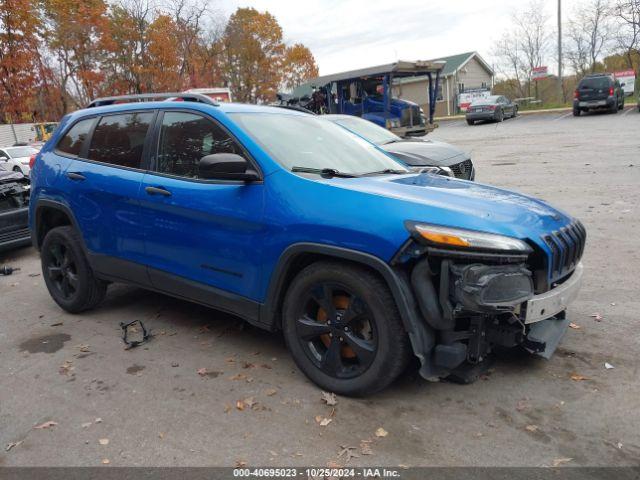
(596, 88)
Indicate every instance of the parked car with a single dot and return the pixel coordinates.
(413, 152)
(14, 209)
(494, 107)
(598, 91)
(298, 225)
(16, 158)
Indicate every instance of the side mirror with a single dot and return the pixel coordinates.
(4, 159)
(226, 166)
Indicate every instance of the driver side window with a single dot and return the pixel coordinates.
(187, 137)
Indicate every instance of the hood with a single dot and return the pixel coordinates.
(459, 203)
(10, 176)
(421, 153)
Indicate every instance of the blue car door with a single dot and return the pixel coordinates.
(201, 234)
(103, 184)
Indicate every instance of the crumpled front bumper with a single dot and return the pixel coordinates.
(556, 300)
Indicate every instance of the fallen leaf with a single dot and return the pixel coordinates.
(322, 421)
(522, 405)
(608, 366)
(248, 365)
(241, 463)
(531, 428)
(329, 398)
(103, 441)
(227, 408)
(161, 435)
(48, 424)
(559, 461)
(270, 392)
(574, 326)
(249, 402)
(578, 378)
(240, 405)
(11, 445)
(202, 371)
(596, 316)
(238, 376)
(365, 447)
(381, 432)
(66, 368)
(84, 348)
(348, 452)
(106, 461)
(59, 324)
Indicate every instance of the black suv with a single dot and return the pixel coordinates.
(598, 91)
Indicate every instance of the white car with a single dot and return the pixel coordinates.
(17, 158)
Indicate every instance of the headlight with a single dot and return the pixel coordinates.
(466, 239)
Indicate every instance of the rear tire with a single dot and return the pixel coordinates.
(576, 112)
(614, 108)
(500, 116)
(66, 271)
(343, 329)
(621, 104)
(472, 122)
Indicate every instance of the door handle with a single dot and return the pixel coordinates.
(157, 191)
(75, 176)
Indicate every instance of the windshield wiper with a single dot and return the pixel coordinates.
(324, 172)
(387, 170)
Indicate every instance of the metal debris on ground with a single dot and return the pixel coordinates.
(125, 334)
(7, 270)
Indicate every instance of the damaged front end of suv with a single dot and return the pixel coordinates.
(14, 210)
(478, 291)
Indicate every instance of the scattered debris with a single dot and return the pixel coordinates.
(202, 371)
(329, 398)
(7, 270)
(106, 461)
(381, 432)
(97, 420)
(11, 445)
(175, 364)
(348, 452)
(578, 378)
(559, 461)
(34, 274)
(83, 348)
(522, 405)
(596, 316)
(249, 402)
(103, 441)
(66, 368)
(531, 428)
(241, 463)
(125, 334)
(270, 392)
(365, 447)
(574, 326)
(161, 435)
(322, 421)
(613, 304)
(44, 425)
(608, 366)
(59, 324)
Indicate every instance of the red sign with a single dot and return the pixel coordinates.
(538, 73)
(624, 73)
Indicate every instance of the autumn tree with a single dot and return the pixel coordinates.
(253, 50)
(76, 33)
(19, 23)
(627, 13)
(298, 66)
(590, 32)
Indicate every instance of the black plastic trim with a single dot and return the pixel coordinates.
(58, 206)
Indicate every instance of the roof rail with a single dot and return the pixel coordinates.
(142, 97)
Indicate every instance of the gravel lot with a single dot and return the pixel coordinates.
(154, 408)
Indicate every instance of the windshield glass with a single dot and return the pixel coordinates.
(595, 82)
(312, 142)
(366, 129)
(16, 152)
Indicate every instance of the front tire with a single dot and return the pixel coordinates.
(471, 122)
(500, 116)
(576, 112)
(344, 330)
(66, 271)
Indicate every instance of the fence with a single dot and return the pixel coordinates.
(17, 132)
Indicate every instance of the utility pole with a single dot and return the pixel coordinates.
(560, 89)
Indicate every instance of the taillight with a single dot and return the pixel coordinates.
(492, 107)
(576, 94)
(32, 160)
(611, 91)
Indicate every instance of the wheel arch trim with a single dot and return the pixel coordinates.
(56, 205)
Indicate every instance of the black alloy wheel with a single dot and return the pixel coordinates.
(62, 270)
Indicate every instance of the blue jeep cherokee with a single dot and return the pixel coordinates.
(295, 224)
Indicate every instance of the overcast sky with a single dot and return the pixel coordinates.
(348, 34)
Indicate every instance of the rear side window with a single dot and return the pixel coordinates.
(596, 83)
(185, 138)
(119, 139)
(72, 142)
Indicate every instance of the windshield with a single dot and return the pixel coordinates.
(367, 130)
(595, 82)
(311, 142)
(16, 152)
